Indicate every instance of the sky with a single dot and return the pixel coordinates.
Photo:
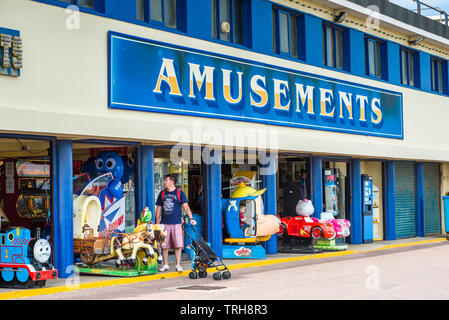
(410, 4)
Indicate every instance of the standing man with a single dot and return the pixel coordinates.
(169, 206)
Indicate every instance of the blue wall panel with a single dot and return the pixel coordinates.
(394, 67)
(424, 71)
(313, 38)
(198, 18)
(262, 27)
(357, 51)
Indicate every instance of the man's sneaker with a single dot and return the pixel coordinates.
(179, 268)
(164, 268)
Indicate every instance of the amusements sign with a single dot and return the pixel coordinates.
(158, 77)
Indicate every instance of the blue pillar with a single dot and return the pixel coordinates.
(146, 179)
(356, 202)
(390, 212)
(214, 208)
(63, 207)
(317, 185)
(268, 172)
(419, 173)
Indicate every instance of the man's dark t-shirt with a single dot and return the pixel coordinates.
(171, 211)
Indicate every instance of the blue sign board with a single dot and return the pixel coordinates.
(158, 77)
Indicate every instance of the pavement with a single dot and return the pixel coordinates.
(80, 282)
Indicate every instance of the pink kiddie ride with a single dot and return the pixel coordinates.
(341, 226)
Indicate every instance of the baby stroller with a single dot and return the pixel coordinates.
(205, 257)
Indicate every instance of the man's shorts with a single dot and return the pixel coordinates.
(175, 236)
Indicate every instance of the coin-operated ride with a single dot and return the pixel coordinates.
(245, 223)
(24, 261)
(300, 233)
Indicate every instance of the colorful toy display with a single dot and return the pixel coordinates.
(111, 171)
(25, 262)
(246, 224)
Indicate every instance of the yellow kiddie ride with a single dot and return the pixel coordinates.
(246, 224)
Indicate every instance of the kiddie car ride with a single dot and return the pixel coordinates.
(341, 226)
(305, 226)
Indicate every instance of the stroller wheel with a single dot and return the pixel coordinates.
(193, 275)
(226, 275)
(202, 274)
(217, 276)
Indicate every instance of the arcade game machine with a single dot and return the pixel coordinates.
(367, 208)
(335, 206)
(26, 194)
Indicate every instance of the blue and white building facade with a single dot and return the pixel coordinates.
(331, 81)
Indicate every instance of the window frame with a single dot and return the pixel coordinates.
(216, 23)
(437, 77)
(409, 55)
(378, 58)
(334, 30)
(147, 14)
(292, 39)
(95, 4)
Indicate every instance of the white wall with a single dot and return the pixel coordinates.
(63, 88)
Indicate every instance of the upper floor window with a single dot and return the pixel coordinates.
(373, 57)
(81, 3)
(157, 11)
(227, 20)
(333, 46)
(438, 74)
(409, 62)
(285, 32)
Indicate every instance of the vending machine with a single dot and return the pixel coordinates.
(367, 208)
(331, 191)
(377, 225)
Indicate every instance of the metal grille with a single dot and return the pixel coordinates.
(405, 199)
(432, 215)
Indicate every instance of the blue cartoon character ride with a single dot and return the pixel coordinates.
(111, 171)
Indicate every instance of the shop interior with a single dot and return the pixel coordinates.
(25, 186)
(188, 178)
(336, 185)
(293, 183)
(109, 173)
